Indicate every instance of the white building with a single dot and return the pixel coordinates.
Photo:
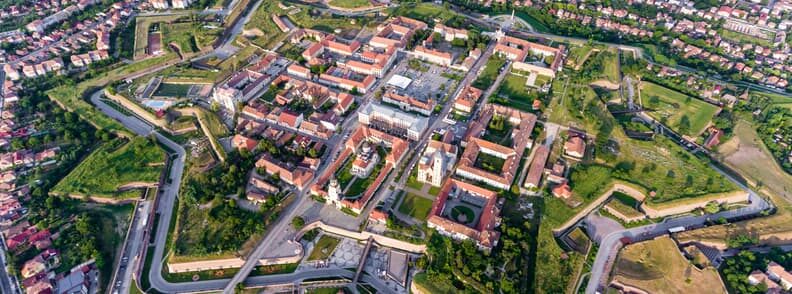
(227, 97)
(365, 160)
(438, 158)
(393, 121)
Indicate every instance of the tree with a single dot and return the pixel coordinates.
(298, 222)
(684, 124)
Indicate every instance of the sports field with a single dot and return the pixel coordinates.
(682, 113)
(172, 90)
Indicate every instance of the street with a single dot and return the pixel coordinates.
(612, 242)
(130, 253)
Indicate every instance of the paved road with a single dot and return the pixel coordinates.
(130, 252)
(290, 212)
(166, 198)
(611, 243)
(7, 285)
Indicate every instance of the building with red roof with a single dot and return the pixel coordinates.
(475, 144)
(480, 229)
(242, 142)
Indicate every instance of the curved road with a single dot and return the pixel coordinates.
(611, 243)
(167, 198)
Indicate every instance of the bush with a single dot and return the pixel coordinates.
(298, 222)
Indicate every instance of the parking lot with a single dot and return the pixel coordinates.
(428, 80)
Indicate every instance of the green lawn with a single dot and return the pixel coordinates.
(513, 92)
(458, 211)
(343, 175)
(610, 66)
(570, 103)
(425, 11)
(624, 208)
(490, 73)
(678, 111)
(556, 267)
(350, 3)
(323, 248)
(489, 162)
(216, 127)
(142, 26)
(269, 33)
(190, 37)
(416, 206)
(112, 165)
(360, 185)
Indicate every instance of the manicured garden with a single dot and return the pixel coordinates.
(113, 165)
(463, 214)
(489, 162)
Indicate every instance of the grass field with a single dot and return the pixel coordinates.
(216, 127)
(657, 266)
(566, 108)
(579, 54)
(190, 37)
(625, 204)
(556, 267)
(142, 25)
(266, 32)
(489, 74)
(350, 3)
(112, 165)
(742, 38)
(610, 62)
(415, 206)
(671, 108)
(746, 153)
(425, 11)
(270, 34)
(669, 170)
(518, 95)
(323, 248)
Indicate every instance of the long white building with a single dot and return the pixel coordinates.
(393, 121)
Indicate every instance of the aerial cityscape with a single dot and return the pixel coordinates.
(395, 146)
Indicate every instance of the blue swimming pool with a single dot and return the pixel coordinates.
(156, 104)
